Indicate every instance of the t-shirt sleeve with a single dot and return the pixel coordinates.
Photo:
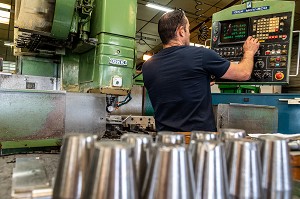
(214, 64)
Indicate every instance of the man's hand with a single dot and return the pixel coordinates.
(251, 46)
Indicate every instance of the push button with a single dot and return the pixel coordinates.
(279, 76)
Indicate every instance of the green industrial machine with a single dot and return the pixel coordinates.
(89, 44)
(269, 21)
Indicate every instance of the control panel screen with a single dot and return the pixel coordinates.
(234, 31)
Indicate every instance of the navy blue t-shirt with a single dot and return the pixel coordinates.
(178, 82)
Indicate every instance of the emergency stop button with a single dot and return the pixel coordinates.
(279, 76)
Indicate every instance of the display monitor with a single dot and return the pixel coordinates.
(234, 30)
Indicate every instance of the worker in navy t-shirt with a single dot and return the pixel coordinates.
(178, 77)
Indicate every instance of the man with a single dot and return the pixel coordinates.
(178, 77)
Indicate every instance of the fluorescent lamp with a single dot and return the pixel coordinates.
(4, 20)
(5, 6)
(159, 7)
(8, 43)
(4, 17)
(146, 57)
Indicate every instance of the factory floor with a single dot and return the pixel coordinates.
(50, 162)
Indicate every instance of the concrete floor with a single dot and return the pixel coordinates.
(7, 163)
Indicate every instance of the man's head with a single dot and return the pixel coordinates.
(174, 26)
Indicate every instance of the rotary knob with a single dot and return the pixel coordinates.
(259, 64)
(279, 76)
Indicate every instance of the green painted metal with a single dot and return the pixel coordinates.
(279, 6)
(74, 25)
(87, 68)
(38, 67)
(98, 73)
(234, 88)
(63, 16)
(114, 17)
(104, 38)
(70, 72)
(27, 115)
(117, 51)
(30, 143)
(138, 80)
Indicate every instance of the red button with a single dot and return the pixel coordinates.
(276, 36)
(279, 76)
(276, 29)
(267, 52)
(278, 59)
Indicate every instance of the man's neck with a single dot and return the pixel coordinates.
(173, 43)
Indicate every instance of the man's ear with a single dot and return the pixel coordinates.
(181, 31)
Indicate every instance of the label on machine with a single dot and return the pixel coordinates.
(271, 62)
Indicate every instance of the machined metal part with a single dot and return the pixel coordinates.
(112, 173)
(74, 166)
(29, 174)
(244, 169)
(276, 168)
(170, 174)
(294, 145)
(210, 166)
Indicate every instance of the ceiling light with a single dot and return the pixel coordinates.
(5, 6)
(4, 20)
(146, 57)
(4, 17)
(8, 43)
(159, 7)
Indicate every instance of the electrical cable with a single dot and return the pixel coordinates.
(138, 75)
(203, 30)
(198, 10)
(125, 101)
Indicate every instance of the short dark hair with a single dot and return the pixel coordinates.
(169, 23)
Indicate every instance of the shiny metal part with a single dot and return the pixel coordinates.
(170, 174)
(42, 193)
(28, 174)
(294, 145)
(168, 137)
(141, 155)
(73, 166)
(201, 136)
(205, 135)
(210, 171)
(276, 178)
(112, 172)
(232, 133)
(244, 169)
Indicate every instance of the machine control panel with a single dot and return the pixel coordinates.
(271, 62)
